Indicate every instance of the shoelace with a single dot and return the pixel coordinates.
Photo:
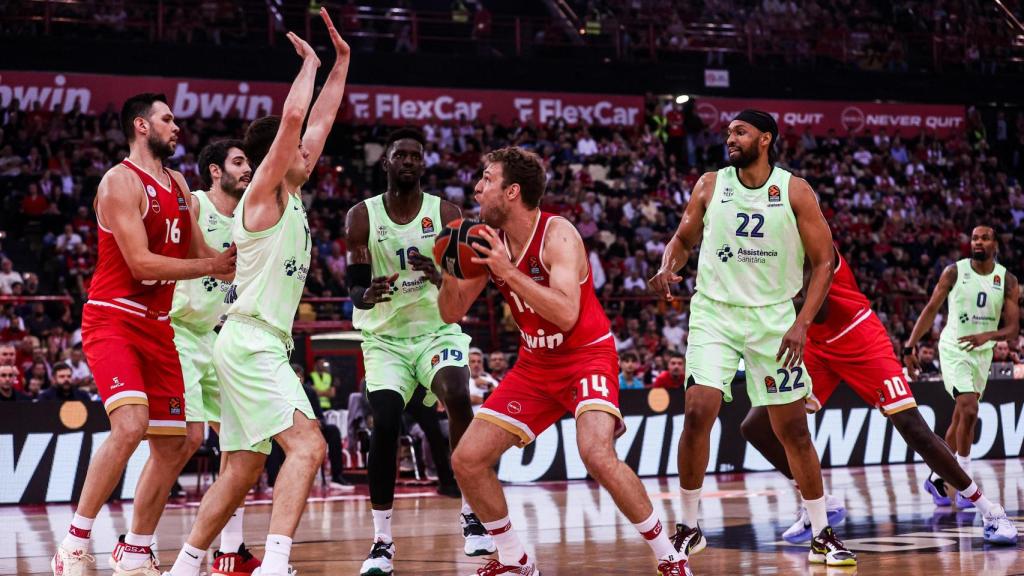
(473, 526)
(84, 557)
(379, 550)
(491, 567)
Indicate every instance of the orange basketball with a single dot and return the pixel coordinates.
(455, 257)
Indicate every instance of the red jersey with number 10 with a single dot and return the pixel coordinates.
(539, 335)
(169, 231)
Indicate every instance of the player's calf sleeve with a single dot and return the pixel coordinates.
(387, 408)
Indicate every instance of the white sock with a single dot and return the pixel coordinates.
(382, 525)
(79, 533)
(231, 536)
(657, 538)
(190, 559)
(973, 493)
(691, 506)
(965, 463)
(465, 506)
(136, 551)
(510, 549)
(276, 554)
(816, 510)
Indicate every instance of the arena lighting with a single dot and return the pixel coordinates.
(682, 99)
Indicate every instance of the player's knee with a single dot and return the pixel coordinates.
(969, 412)
(128, 431)
(600, 463)
(193, 440)
(698, 418)
(456, 393)
(465, 463)
(749, 429)
(794, 433)
(310, 450)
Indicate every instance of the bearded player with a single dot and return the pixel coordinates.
(981, 292)
(567, 360)
(847, 342)
(148, 239)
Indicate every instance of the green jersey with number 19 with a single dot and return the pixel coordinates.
(975, 303)
(751, 254)
(413, 309)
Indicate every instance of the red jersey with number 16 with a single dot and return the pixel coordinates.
(539, 335)
(169, 232)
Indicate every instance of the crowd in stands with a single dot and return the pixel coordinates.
(900, 207)
(897, 36)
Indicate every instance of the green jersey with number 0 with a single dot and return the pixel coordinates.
(751, 254)
(975, 303)
(412, 310)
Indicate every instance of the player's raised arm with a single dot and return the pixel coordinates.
(691, 228)
(927, 317)
(1010, 315)
(563, 255)
(263, 190)
(118, 201)
(817, 241)
(321, 117)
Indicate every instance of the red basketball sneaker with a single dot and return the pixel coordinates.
(240, 563)
(493, 568)
(674, 568)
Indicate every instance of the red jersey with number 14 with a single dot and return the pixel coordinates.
(169, 233)
(539, 335)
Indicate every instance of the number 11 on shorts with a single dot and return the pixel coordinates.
(597, 383)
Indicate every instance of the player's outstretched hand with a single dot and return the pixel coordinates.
(421, 263)
(495, 256)
(379, 289)
(341, 47)
(224, 264)
(661, 283)
(792, 346)
(911, 362)
(302, 48)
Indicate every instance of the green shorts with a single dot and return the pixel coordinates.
(402, 364)
(721, 334)
(963, 371)
(202, 393)
(260, 392)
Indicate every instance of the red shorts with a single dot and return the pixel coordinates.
(134, 361)
(542, 387)
(863, 358)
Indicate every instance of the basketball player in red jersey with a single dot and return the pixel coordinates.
(567, 360)
(148, 238)
(848, 342)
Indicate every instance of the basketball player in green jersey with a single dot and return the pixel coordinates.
(394, 288)
(198, 308)
(755, 223)
(981, 292)
(262, 399)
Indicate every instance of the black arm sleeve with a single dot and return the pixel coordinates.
(357, 276)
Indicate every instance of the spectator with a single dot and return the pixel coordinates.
(80, 372)
(673, 333)
(8, 393)
(34, 387)
(8, 277)
(675, 375)
(481, 384)
(629, 364)
(1002, 353)
(69, 239)
(323, 383)
(929, 366)
(497, 364)
(63, 388)
(8, 357)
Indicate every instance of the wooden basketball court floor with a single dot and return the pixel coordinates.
(574, 528)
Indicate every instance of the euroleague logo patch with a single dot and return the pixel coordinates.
(514, 407)
(769, 384)
(535, 268)
(434, 360)
(997, 281)
(427, 225)
(174, 406)
(774, 194)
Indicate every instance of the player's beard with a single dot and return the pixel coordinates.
(747, 157)
(494, 217)
(160, 149)
(232, 186)
(979, 255)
